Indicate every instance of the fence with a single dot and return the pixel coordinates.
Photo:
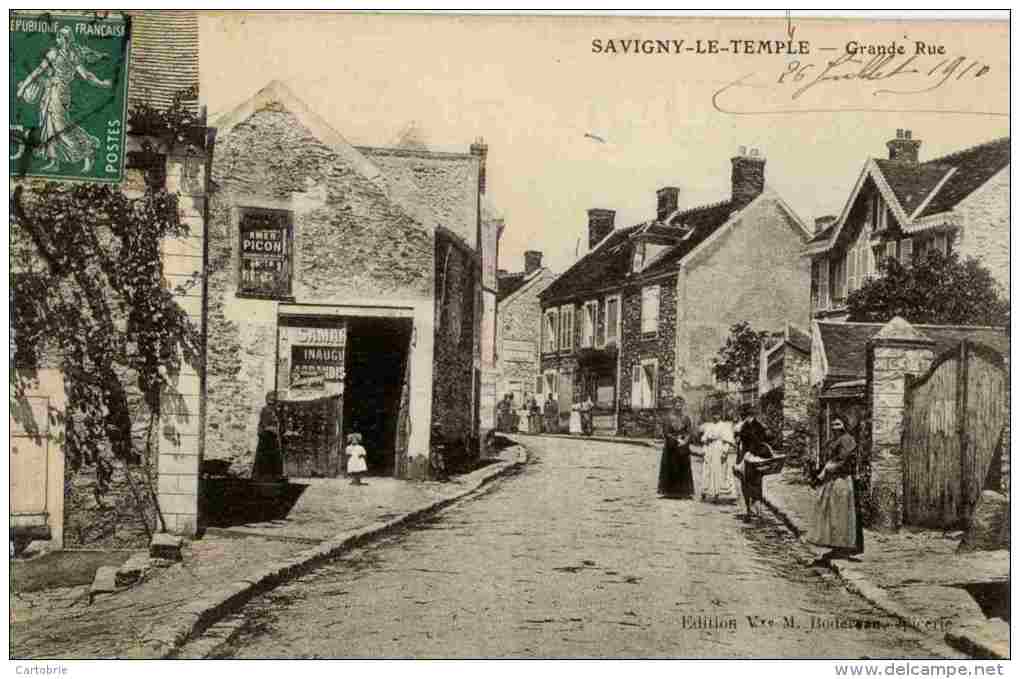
(954, 415)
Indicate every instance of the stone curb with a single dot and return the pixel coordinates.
(858, 583)
(196, 617)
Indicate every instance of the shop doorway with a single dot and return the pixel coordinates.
(374, 389)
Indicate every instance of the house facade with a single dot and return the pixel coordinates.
(518, 334)
(637, 321)
(348, 281)
(902, 208)
(784, 388)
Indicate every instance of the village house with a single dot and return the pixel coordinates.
(519, 330)
(784, 388)
(163, 65)
(639, 319)
(902, 208)
(859, 373)
(349, 281)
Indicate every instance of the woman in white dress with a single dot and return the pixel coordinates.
(717, 445)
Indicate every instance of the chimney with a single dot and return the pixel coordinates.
(532, 261)
(481, 149)
(600, 224)
(748, 177)
(824, 222)
(667, 201)
(903, 148)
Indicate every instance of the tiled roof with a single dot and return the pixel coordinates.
(603, 267)
(610, 264)
(702, 223)
(974, 167)
(824, 234)
(912, 182)
(164, 57)
(845, 344)
(509, 283)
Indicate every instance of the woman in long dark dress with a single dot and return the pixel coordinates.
(836, 525)
(675, 477)
(268, 456)
(752, 446)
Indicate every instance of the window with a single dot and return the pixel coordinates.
(551, 329)
(265, 253)
(566, 328)
(907, 251)
(551, 385)
(589, 322)
(890, 250)
(611, 329)
(650, 309)
(644, 383)
(539, 387)
(823, 283)
(639, 257)
(941, 243)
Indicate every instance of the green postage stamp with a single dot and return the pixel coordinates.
(68, 95)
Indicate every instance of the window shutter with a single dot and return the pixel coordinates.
(654, 402)
(612, 316)
(851, 266)
(538, 385)
(907, 251)
(635, 386)
(823, 283)
(940, 243)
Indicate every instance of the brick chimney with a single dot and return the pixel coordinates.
(904, 147)
(667, 201)
(748, 177)
(600, 224)
(824, 222)
(481, 149)
(532, 261)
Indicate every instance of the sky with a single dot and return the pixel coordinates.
(537, 90)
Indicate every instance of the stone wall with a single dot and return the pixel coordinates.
(889, 360)
(798, 428)
(637, 346)
(352, 247)
(986, 227)
(455, 336)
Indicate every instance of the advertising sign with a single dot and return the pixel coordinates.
(68, 94)
(265, 254)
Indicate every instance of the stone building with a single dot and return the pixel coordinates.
(638, 319)
(784, 388)
(348, 280)
(858, 372)
(519, 330)
(902, 208)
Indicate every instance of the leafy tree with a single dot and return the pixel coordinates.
(737, 360)
(936, 289)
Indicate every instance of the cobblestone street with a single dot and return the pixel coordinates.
(573, 557)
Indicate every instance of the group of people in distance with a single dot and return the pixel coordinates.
(836, 525)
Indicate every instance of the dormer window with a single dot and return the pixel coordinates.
(639, 257)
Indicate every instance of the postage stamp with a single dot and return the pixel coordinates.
(68, 92)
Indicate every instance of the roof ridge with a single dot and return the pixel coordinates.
(706, 206)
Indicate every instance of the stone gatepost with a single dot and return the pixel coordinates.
(897, 350)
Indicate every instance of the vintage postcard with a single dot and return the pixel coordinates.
(410, 335)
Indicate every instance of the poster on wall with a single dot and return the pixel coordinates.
(265, 269)
(311, 361)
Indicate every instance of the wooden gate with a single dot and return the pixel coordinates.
(311, 442)
(953, 417)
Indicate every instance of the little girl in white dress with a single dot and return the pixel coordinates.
(356, 465)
